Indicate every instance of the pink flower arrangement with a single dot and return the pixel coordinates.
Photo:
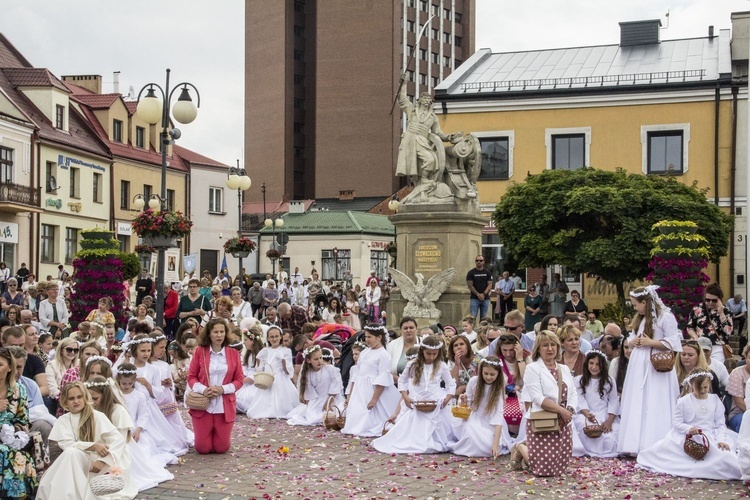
(153, 223)
(239, 245)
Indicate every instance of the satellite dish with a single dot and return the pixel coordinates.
(131, 93)
(52, 187)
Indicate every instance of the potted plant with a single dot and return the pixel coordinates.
(676, 226)
(97, 233)
(239, 247)
(273, 254)
(161, 229)
(147, 249)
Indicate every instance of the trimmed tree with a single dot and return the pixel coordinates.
(599, 222)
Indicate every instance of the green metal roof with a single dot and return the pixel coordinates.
(335, 222)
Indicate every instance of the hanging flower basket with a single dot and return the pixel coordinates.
(161, 229)
(273, 254)
(145, 249)
(239, 247)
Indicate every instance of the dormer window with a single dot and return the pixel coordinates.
(60, 117)
(117, 130)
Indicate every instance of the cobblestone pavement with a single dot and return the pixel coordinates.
(323, 464)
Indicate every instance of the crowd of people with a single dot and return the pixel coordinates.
(99, 399)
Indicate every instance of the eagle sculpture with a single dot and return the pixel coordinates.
(421, 296)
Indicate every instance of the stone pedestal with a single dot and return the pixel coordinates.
(429, 239)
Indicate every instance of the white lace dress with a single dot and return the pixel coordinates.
(279, 399)
(473, 437)
(320, 386)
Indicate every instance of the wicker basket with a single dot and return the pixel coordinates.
(333, 419)
(263, 380)
(461, 411)
(662, 361)
(386, 428)
(593, 431)
(695, 450)
(196, 401)
(169, 409)
(106, 484)
(425, 406)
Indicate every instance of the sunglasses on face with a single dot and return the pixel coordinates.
(508, 338)
(711, 301)
(72, 350)
(512, 328)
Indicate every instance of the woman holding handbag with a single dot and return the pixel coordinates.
(550, 387)
(215, 373)
(649, 396)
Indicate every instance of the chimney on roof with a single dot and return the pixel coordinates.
(116, 82)
(296, 207)
(710, 32)
(346, 195)
(639, 32)
(89, 82)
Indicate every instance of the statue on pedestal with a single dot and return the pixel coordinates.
(440, 175)
(421, 296)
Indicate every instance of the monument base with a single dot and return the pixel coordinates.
(428, 242)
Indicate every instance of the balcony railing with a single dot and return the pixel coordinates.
(22, 195)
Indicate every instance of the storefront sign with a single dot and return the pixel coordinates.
(428, 257)
(124, 228)
(65, 162)
(8, 232)
(382, 245)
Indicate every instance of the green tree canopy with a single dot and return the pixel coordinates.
(599, 222)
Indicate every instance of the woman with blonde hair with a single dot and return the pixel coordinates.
(690, 358)
(551, 389)
(649, 396)
(66, 357)
(572, 357)
(223, 308)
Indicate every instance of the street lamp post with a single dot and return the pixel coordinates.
(273, 224)
(238, 179)
(151, 110)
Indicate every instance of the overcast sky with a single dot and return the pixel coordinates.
(202, 42)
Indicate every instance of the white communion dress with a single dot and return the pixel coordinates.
(156, 445)
(474, 436)
(743, 442)
(417, 431)
(606, 445)
(668, 456)
(68, 477)
(649, 397)
(374, 370)
(320, 385)
(245, 393)
(146, 471)
(168, 404)
(279, 399)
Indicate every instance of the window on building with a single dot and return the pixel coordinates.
(71, 244)
(457, 40)
(299, 103)
(125, 195)
(436, 10)
(495, 158)
(458, 17)
(124, 242)
(148, 190)
(665, 152)
(423, 79)
(6, 165)
(496, 260)
(435, 58)
(446, 61)
(379, 262)
(215, 200)
(140, 137)
(299, 79)
(335, 264)
(568, 151)
(75, 182)
(97, 188)
(447, 14)
(299, 30)
(299, 152)
(299, 6)
(446, 38)
(435, 81)
(299, 127)
(117, 130)
(411, 26)
(60, 116)
(423, 5)
(50, 179)
(423, 54)
(410, 75)
(299, 55)
(412, 3)
(458, 62)
(48, 244)
(170, 200)
(435, 34)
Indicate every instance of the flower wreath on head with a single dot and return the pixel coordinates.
(109, 382)
(360, 344)
(327, 354)
(430, 347)
(496, 364)
(98, 358)
(596, 351)
(310, 350)
(127, 372)
(379, 328)
(695, 375)
(159, 338)
(655, 299)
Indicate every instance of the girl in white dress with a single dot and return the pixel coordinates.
(484, 433)
(149, 383)
(253, 345)
(597, 403)
(699, 412)
(357, 349)
(167, 401)
(317, 382)
(146, 472)
(137, 404)
(415, 431)
(373, 396)
(91, 446)
(281, 398)
(648, 397)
